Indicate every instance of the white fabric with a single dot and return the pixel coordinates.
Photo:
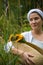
(34, 10)
(37, 42)
(8, 46)
(29, 38)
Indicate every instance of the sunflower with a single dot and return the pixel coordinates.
(11, 37)
(19, 37)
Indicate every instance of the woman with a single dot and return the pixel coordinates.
(35, 36)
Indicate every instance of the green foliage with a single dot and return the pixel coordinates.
(10, 26)
(1, 7)
(13, 23)
(8, 58)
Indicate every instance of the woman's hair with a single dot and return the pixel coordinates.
(38, 11)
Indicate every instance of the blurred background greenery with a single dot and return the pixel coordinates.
(13, 15)
(13, 19)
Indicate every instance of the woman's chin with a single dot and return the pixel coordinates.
(34, 28)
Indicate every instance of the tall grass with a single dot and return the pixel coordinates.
(8, 27)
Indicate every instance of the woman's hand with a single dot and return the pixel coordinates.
(26, 57)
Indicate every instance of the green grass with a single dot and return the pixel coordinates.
(8, 27)
(8, 58)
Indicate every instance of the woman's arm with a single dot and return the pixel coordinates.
(25, 56)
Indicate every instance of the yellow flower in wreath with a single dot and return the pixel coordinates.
(16, 38)
(11, 37)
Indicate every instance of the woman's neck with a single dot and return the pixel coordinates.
(37, 32)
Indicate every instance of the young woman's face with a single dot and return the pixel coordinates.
(35, 21)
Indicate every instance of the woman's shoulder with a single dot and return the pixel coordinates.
(27, 35)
